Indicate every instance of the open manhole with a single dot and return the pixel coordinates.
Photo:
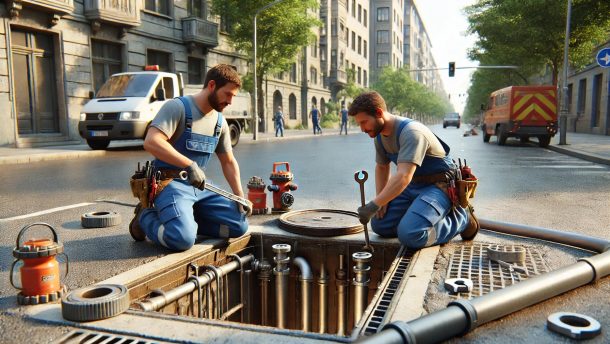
(321, 222)
(471, 262)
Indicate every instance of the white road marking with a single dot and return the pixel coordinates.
(43, 212)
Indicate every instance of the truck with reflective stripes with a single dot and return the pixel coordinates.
(522, 112)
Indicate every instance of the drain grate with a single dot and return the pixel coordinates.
(471, 261)
(91, 337)
(380, 311)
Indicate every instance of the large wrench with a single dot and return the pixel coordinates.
(361, 177)
(223, 193)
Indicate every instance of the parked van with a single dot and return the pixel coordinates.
(125, 105)
(523, 112)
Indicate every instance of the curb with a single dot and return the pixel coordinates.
(24, 159)
(581, 155)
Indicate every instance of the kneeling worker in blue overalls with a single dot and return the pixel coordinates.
(182, 137)
(413, 203)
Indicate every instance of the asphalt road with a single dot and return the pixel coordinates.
(518, 183)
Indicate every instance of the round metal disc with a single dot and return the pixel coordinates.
(321, 222)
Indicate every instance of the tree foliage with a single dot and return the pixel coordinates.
(404, 95)
(282, 31)
(530, 34)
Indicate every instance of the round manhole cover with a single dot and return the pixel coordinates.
(321, 222)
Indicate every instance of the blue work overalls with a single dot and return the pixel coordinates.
(315, 119)
(181, 211)
(279, 124)
(343, 121)
(422, 215)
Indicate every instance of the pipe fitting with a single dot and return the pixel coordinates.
(341, 283)
(305, 279)
(281, 272)
(323, 299)
(361, 282)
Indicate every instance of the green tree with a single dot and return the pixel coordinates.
(282, 32)
(530, 33)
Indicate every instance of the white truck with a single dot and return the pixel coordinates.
(125, 105)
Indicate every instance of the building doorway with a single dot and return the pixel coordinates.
(33, 55)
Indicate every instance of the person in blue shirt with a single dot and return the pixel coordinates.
(315, 119)
(343, 119)
(278, 119)
(413, 203)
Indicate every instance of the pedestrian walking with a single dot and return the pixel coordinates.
(182, 137)
(344, 119)
(413, 204)
(278, 119)
(315, 119)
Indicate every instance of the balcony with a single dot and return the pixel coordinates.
(121, 12)
(55, 7)
(200, 31)
(338, 76)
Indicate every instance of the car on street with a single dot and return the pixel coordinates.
(452, 119)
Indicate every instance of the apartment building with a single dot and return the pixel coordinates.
(386, 32)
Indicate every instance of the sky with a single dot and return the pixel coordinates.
(446, 25)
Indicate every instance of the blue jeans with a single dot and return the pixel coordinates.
(316, 126)
(279, 128)
(421, 216)
(343, 125)
(182, 211)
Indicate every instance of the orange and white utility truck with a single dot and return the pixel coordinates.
(523, 112)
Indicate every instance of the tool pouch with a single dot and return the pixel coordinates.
(466, 189)
(139, 189)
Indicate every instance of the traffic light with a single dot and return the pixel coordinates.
(451, 69)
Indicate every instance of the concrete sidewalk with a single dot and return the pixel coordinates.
(10, 155)
(595, 148)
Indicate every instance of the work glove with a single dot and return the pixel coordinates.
(246, 210)
(367, 211)
(196, 177)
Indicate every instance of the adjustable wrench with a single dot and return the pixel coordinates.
(361, 177)
(223, 193)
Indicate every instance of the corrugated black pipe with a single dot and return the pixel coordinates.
(462, 316)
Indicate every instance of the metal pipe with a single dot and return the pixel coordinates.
(305, 278)
(247, 311)
(160, 301)
(361, 282)
(281, 272)
(323, 299)
(567, 238)
(462, 316)
(264, 277)
(341, 281)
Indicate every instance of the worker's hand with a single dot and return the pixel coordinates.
(196, 177)
(381, 212)
(366, 212)
(246, 210)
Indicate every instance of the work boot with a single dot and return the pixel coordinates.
(134, 226)
(473, 226)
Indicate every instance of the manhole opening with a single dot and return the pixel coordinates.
(471, 262)
(84, 336)
(255, 301)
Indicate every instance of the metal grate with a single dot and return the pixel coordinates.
(380, 311)
(471, 262)
(91, 337)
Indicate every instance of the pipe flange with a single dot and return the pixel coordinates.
(100, 219)
(509, 254)
(574, 325)
(95, 302)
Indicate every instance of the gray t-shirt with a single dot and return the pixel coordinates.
(170, 120)
(416, 141)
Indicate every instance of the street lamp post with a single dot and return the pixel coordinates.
(563, 112)
(255, 112)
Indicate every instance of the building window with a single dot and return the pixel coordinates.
(353, 40)
(365, 18)
(314, 48)
(160, 58)
(365, 79)
(360, 75)
(292, 106)
(383, 60)
(293, 73)
(359, 13)
(570, 102)
(106, 58)
(341, 60)
(196, 70)
(333, 28)
(354, 8)
(365, 49)
(359, 45)
(333, 58)
(196, 8)
(159, 6)
(313, 76)
(383, 14)
(582, 96)
(383, 36)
